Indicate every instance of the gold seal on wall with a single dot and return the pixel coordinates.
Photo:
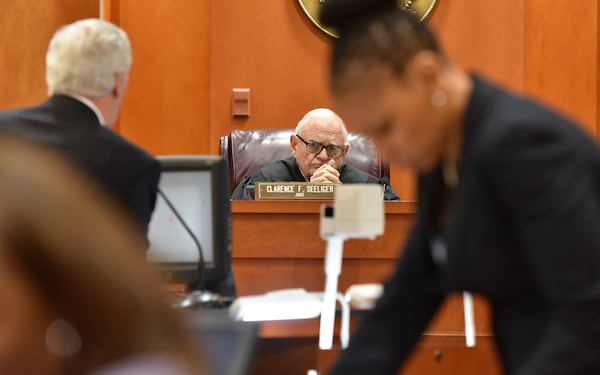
(422, 8)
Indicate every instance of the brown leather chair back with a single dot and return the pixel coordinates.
(247, 151)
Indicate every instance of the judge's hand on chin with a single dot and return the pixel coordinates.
(326, 174)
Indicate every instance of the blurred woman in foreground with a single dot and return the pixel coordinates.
(75, 294)
(509, 199)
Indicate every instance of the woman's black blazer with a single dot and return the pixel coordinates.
(523, 230)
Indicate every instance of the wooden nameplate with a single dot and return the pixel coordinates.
(293, 190)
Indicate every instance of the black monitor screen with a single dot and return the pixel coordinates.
(193, 194)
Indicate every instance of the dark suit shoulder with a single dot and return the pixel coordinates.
(282, 170)
(499, 123)
(351, 175)
(73, 128)
(285, 170)
(131, 153)
(25, 121)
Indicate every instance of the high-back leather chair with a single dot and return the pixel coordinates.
(247, 151)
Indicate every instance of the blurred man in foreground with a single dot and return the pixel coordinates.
(76, 296)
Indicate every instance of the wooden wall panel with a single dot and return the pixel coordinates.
(276, 52)
(272, 50)
(189, 54)
(26, 27)
(485, 37)
(561, 57)
(282, 58)
(167, 104)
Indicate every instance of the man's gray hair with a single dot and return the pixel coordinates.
(321, 112)
(84, 58)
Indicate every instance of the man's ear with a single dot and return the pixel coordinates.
(293, 143)
(346, 148)
(120, 83)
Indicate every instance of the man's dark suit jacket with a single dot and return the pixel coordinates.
(523, 230)
(70, 126)
(288, 171)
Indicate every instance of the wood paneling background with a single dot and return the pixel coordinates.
(189, 55)
(473, 36)
(561, 57)
(167, 106)
(272, 50)
(26, 27)
(195, 52)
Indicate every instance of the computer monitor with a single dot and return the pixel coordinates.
(192, 212)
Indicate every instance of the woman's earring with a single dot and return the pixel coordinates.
(439, 98)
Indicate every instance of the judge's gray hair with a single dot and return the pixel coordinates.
(321, 112)
(84, 58)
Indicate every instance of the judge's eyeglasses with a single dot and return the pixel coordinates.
(333, 151)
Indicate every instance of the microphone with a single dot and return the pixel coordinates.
(201, 264)
(384, 181)
(200, 297)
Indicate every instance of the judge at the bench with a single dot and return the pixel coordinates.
(318, 148)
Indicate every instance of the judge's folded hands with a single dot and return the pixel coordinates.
(327, 173)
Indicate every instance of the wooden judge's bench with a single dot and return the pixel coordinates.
(276, 245)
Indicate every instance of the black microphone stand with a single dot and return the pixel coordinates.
(197, 297)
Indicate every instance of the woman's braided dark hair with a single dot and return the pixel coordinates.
(389, 36)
